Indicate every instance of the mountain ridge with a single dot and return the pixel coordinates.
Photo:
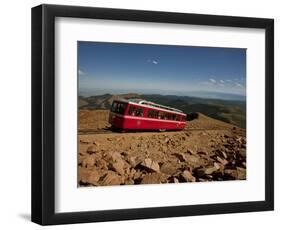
(233, 112)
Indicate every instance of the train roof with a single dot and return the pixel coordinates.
(151, 105)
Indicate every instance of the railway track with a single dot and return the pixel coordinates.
(89, 132)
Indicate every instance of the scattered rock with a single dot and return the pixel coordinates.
(223, 154)
(239, 140)
(101, 163)
(118, 167)
(231, 172)
(217, 165)
(135, 160)
(96, 143)
(188, 176)
(137, 175)
(129, 182)
(202, 153)
(113, 156)
(180, 156)
(88, 161)
(205, 171)
(84, 141)
(242, 152)
(169, 168)
(151, 165)
(241, 173)
(193, 160)
(222, 161)
(111, 178)
(91, 149)
(153, 178)
(210, 170)
(82, 153)
(89, 176)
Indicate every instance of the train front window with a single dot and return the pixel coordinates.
(118, 108)
(122, 108)
(113, 107)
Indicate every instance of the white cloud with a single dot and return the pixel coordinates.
(222, 85)
(238, 85)
(212, 80)
(222, 81)
(80, 72)
(155, 62)
(206, 83)
(228, 80)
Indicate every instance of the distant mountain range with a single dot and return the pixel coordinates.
(218, 95)
(231, 111)
(200, 94)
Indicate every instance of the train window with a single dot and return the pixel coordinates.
(121, 108)
(170, 117)
(151, 113)
(177, 117)
(113, 107)
(132, 110)
(157, 115)
(166, 116)
(139, 112)
(118, 107)
(183, 118)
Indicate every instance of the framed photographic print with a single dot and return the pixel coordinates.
(141, 114)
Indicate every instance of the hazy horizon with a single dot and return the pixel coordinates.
(198, 94)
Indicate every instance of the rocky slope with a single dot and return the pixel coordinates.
(93, 120)
(208, 150)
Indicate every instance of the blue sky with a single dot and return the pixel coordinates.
(141, 68)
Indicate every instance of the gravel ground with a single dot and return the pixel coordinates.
(208, 150)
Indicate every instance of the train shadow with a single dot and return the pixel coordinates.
(117, 130)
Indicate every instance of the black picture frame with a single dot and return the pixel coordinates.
(43, 110)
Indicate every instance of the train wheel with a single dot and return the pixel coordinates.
(162, 130)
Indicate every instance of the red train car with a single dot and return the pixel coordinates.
(138, 114)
